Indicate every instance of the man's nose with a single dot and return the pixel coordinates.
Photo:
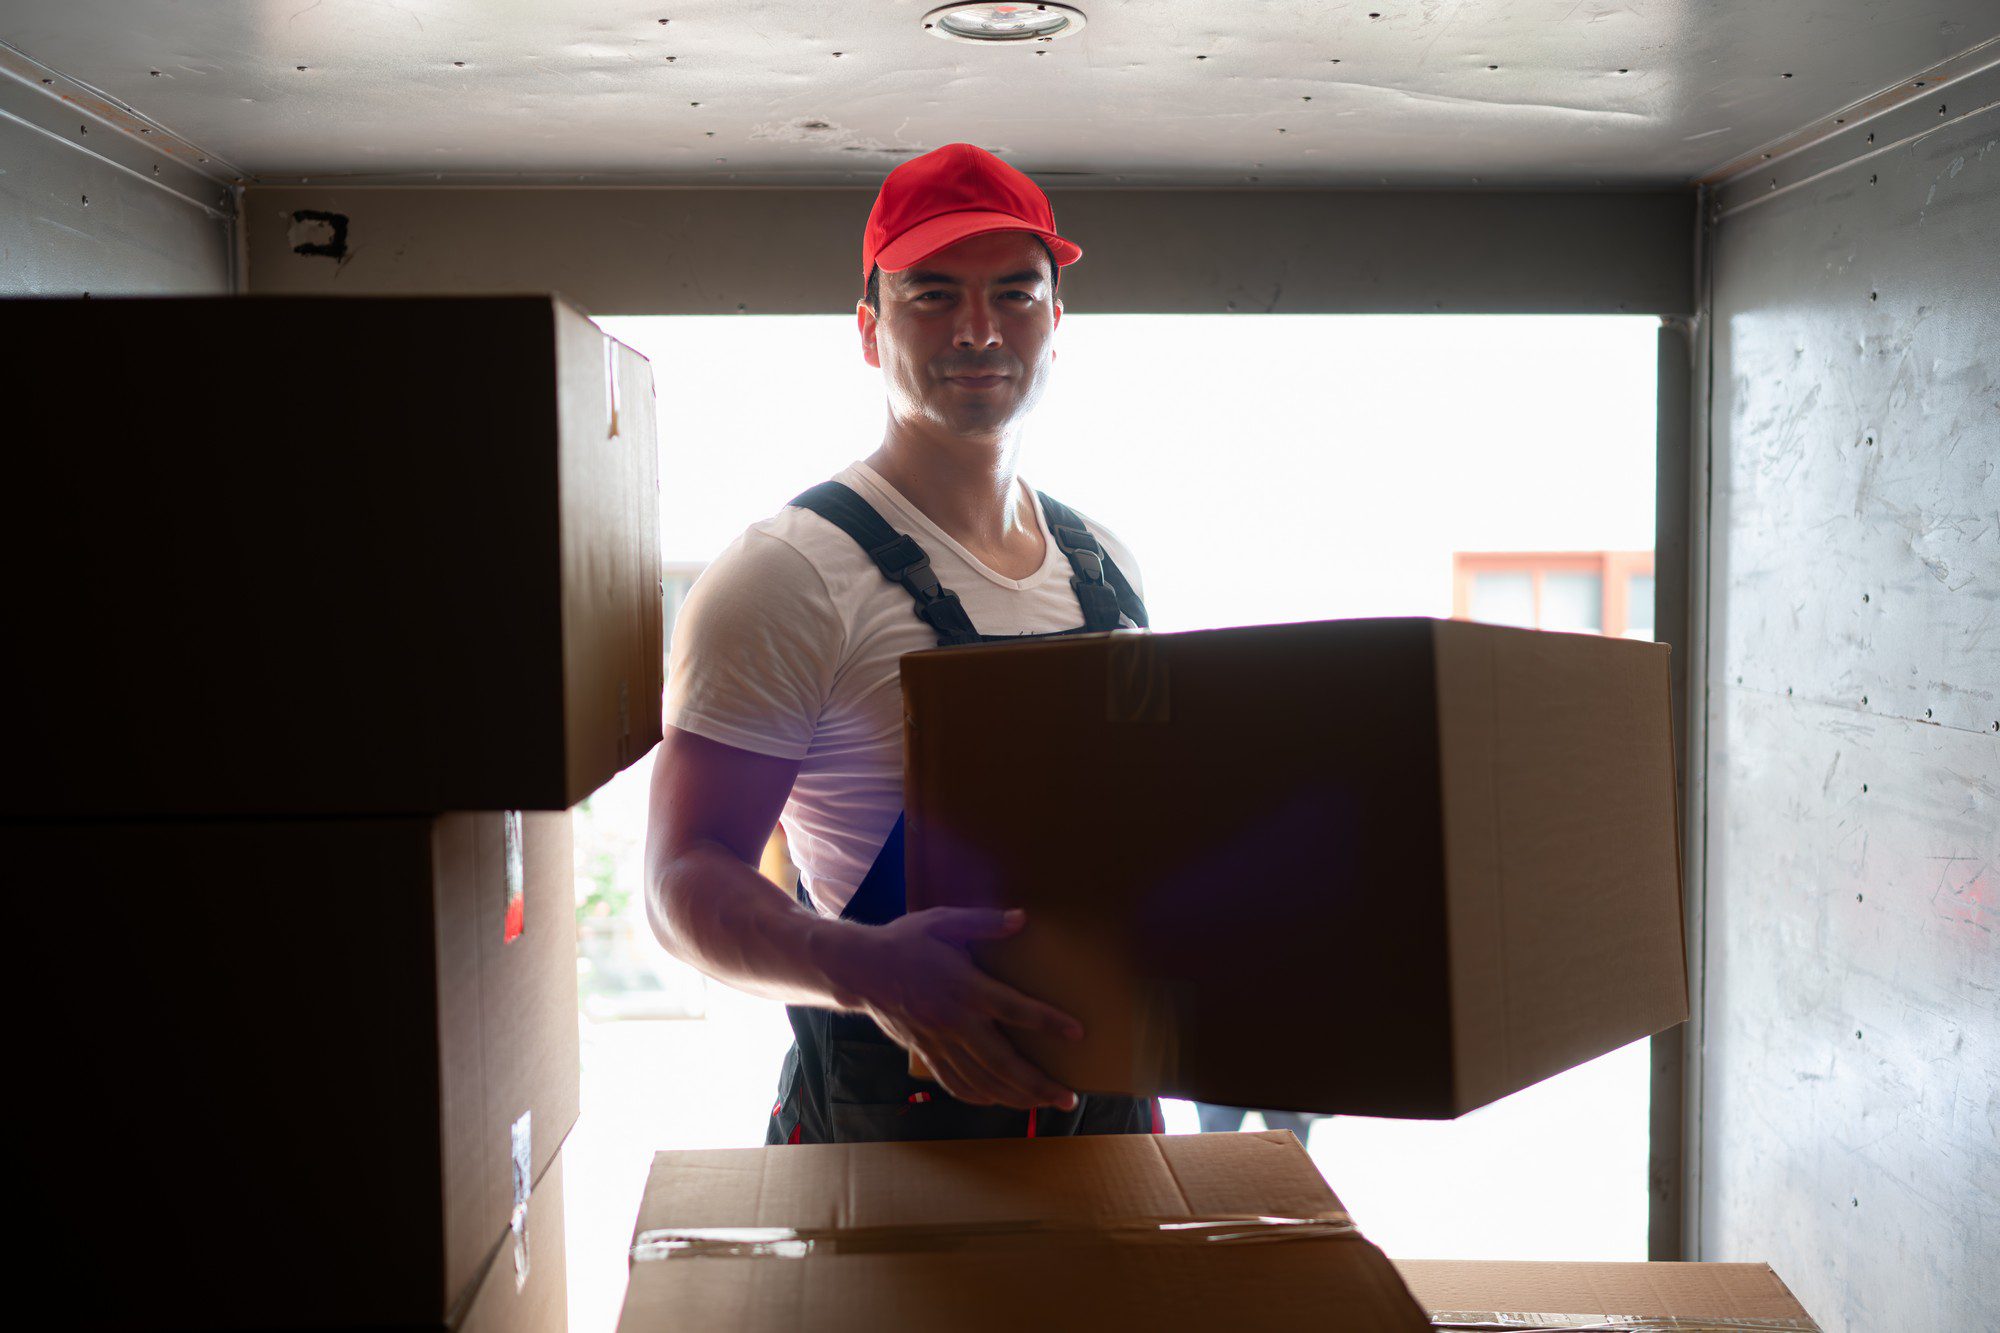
(977, 326)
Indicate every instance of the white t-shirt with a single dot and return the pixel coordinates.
(787, 645)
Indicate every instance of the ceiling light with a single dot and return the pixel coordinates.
(1003, 22)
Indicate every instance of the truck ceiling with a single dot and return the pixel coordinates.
(1578, 94)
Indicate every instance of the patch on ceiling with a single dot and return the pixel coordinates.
(813, 132)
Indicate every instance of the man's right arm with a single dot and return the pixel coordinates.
(713, 808)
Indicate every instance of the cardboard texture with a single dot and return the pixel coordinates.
(1376, 867)
(292, 1049)
(1005, 1234)
(1727, 1294)
(505, 1303)
(407, 566)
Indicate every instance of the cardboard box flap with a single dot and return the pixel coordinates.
(1719, 1296)
(826, 1187)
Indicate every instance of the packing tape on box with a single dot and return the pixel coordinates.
(1502, 1321)
(1136, 686)
(806, 1242)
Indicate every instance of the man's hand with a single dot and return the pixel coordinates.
(916, 978)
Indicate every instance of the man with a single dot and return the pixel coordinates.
(784, 695)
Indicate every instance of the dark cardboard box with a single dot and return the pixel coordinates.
(1692, 1298)
(1006, 1234)
(1376, 867)
(324, 556)
(289, 1074)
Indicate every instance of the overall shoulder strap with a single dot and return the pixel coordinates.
(1101, 587)
(897, 555)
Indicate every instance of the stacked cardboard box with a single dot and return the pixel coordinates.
(312, 694)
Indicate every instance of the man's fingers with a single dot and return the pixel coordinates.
(951, 1076)
(963, 925)
(1024, 1011)
(1025, 1085)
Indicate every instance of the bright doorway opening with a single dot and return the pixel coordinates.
(1262, 469)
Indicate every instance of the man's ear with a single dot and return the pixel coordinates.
(864, 319)
(1058, 319)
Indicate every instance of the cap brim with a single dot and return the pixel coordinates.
(947, 229)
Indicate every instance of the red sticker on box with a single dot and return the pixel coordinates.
(517, 878)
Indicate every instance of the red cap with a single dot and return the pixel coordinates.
(945, 196)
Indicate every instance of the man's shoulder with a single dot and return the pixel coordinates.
(793, 553)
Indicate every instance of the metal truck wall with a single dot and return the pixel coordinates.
(85, 207)
(1850, 1091)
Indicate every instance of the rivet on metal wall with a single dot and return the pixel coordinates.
(1871, 180)
(1305, 99)
(83, 129)
(300, 68)
(1855, 1202)
(1493, 67)
(1334, 61)
(1864, 701)
(1857, 898)
(86, 201)
(1864, 789)
(1940, 108)
(1864, 597)
(1624, 70)
(1857, 1034)
(663, 23)
(1784, 76)
(1873, 295)
(155, 73)
(1871, 136)
(1927, 712)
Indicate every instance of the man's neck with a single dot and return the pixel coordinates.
(965, 485)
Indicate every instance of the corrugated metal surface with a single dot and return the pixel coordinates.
(1461, 93)
(1850, 1107)
(96, 199)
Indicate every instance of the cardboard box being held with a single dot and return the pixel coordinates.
(1632, 1297)
(289, 1074)
(1374, 867)
(376, 555)
(1211, 1231)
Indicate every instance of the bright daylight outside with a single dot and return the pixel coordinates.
(1262, 469)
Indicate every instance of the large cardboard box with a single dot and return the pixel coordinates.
(1379, 867)
(287, 1073)
(1681, 1298)
(526, 1285)
(324, 556)
(1232, 1231)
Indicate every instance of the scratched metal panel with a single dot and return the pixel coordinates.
(782, 251)
(1521, 93)
(1850, 1095)
(73, 222)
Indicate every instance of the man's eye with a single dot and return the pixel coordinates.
(925, 296)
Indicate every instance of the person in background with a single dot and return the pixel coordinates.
(783, 702)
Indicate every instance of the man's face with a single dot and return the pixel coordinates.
(965, 336)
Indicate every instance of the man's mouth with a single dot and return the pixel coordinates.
(978, 381)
